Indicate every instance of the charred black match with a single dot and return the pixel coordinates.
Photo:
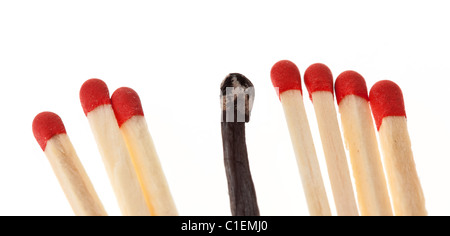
(237, 94)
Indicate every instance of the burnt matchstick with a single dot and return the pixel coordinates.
(49, 131)
(319, 82)
(388, 109)
(360, 137)
(96, 103)
(237, 95)
(286, 78)
(130, 116)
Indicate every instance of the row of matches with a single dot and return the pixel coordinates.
(133, 167)
(383, 187)
(127, 151)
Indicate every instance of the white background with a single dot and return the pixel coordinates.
(175, 55)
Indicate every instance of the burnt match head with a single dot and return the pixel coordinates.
(235, 80)
(236, 94)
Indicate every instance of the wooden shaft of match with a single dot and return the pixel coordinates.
(361, 141)
(117, 161)
(305, 152)
(335, 155)
(72, 177)
(148, 167)
(405, 188)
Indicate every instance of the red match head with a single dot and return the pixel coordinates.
(350, 83)
(93, 93)
(126, 104)
(45, 126)
(386, 99)
(318, 77)
(285, 76)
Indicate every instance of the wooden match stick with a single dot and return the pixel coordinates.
(388, 109)
(286, 80)
(237, 94)
(361, 141)
(130, 117)
(319, 82)
(96, 103)
(51, 135)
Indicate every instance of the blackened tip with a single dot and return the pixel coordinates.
(234, 80)
(234, 87)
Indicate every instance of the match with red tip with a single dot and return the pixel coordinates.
(350, 83)
(51, 135)
(359, 133)
(126, 104)
(94, 93)
(318, 77)
(285, 76)
(45, 126)
(319, 82)
(386, 99)
(388, 110)
(129, 114)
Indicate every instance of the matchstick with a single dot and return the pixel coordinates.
(319, 82)
(361, 141)
(130, 117)
(51, 135)
(287, 82)
(96, 103)
(237, 94)
(388, 109)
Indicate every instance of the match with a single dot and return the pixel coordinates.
(96, 103)
(237, 95)
(388, 109)
(50, 133)
(361, 141)
(287, 82)
(319, 82)
(130, 117)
